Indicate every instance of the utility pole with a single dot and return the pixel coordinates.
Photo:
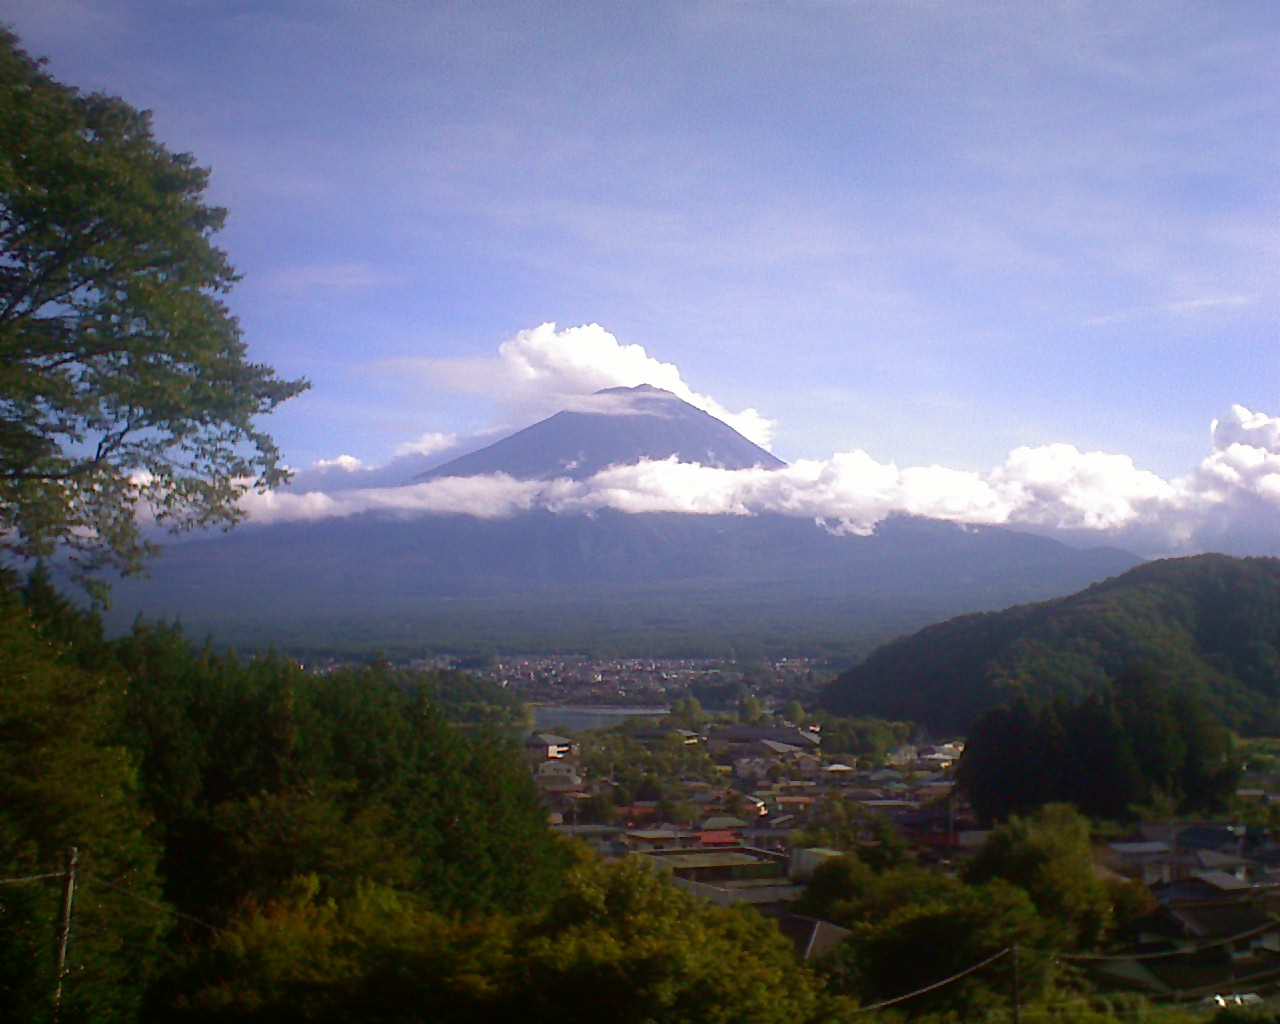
(1017, 993)
(64, 929)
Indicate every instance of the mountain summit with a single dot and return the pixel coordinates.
(604, 580)
(613, 427)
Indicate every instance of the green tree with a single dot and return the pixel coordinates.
(750, 710)
(847, 826)
(623, 944)
(66, 782)
(620, 944)
(836, 883)
(687, 713)
(848, 892)
(931, 936)
(124, 383)
(1049, 854)
(375, 955)
(259, 772)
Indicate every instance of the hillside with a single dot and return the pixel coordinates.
(608, 583)
(1209, 623)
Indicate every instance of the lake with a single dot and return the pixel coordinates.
(580, 717)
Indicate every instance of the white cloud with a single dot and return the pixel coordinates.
(1244, 427)
(486, 497)
(346, 463)
(544, 369)
(1231, 501)
(1058, 485)
(428, 444)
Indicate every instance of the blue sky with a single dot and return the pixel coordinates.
(932, 232)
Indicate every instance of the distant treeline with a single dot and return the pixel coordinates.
(754, 623)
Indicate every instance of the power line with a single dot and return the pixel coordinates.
(32, 878)
(1167, 954)
(935, 985)
(155, 905)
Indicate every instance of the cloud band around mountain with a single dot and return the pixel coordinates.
(1231, 499)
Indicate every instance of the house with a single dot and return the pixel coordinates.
(838, 774)
(729, 876)
(1222, 838)
(660, 737)
(810, 936)
(806, 860)
(718, 838)
(563, 780)
(660, 839)
(1187, 950)
(546, 746)
(1147, 862)
(746, 740)
(719, 822)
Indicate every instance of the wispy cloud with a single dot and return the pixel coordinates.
(328, 277)
(1181, 308)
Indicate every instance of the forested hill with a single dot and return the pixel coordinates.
(1209, 623)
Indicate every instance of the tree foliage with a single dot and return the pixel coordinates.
(844, 824)
(194, 784)
(124, 383)
(1210, 624)
(913, 927)
(620, 944)
(67, 781)
(263, 772)
(1136, 741)
(1049, 855)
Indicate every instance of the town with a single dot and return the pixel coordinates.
(746, 813)
(649, 682)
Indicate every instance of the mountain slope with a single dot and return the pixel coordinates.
(607, 581)
(1210, 623)
(710, 580)
(617, 426)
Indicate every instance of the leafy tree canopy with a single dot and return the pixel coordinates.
(67, 782)
(1210, 624)
(620, 944)
(1049, 855)
(1135, 742)
(124, 383)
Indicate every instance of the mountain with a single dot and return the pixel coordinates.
(606, 582)
(614, 427)
(1209, 623)
(610, 583)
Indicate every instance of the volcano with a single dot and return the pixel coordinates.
(613, 427)
(604, 581)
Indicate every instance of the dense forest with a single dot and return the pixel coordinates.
(196, 786)
(1132, 744)
(1209, 624)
